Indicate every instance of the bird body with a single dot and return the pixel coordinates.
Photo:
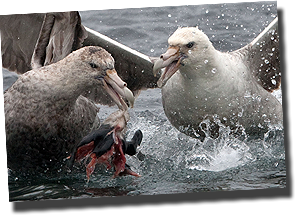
(200, 83)
(189, 100)
(45, 113)
(50, 108)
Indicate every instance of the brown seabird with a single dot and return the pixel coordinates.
(31, 41)
(45, 113)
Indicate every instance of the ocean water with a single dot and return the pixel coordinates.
(168, 161)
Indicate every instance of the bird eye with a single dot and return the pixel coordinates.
(93, 65)
(190, 44)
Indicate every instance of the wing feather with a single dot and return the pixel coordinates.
(262, 56)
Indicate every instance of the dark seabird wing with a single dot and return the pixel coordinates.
(60, 34)
(35, 40)
(263, 58)
(19, 34)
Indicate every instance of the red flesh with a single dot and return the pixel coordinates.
(91, 166)
(84, 151)
(112, 158)
(119, 157)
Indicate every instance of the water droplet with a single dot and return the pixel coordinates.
(240, 114)
(214, 70)
(226, 27)
(267, 61)
(152, 50)
(205, 61)
(206, 11)
(169, 15)
(273, 81)
(189, 51)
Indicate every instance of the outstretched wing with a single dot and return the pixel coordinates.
(60, 34)
(34, 40)
(263, 57)
(19, 34)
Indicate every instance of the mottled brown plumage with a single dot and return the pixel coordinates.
(45, 113)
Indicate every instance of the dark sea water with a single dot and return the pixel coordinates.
(168, 161)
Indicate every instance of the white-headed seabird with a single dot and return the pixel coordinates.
(200, 83)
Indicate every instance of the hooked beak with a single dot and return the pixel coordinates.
(171, 60)
(116, 87)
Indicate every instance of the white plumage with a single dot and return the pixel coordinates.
(231, 88)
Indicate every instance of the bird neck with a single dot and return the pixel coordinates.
(204, 65)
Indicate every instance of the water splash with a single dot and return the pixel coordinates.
(175, 150)
(222, 153)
